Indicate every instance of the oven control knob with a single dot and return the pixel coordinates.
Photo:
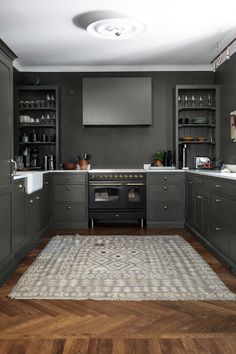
(120, 176)
(126, 176)
(106, 176)
(116, 176)
(140, 176)
(135, 176)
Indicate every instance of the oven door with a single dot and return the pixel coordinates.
(135, 195)
(106, 195)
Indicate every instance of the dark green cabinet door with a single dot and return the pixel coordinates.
(201, 211)
(34, 214)
(5, 225)
(45, 205)
(189, 202)
(18, 216)
(5, 120)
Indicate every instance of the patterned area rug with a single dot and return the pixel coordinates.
(120, 268)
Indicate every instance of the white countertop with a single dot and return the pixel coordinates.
(227, 175)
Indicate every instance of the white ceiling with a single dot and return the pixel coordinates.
(48, 35)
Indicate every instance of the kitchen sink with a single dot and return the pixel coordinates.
(34, 180)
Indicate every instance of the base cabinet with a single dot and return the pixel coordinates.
(5, 223)
(165, 199)
(210, 213)
(70, 200)
(18, 201)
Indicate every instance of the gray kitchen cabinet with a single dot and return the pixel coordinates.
(201, 210)
(5, 222)
(45, 214)
(211, 214)
(189, 201)
(34, 207)
(6, 167)
(70, 200)
(18, 201)
(165, 199)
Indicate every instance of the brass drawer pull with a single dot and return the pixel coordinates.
(218, 229)
(165, 207)
(218, 200)
(69, 207)
(46, 182)
(37, 198)
(165, 178)
(199, 196)
(20, 186)
(68, 178)
(68, 188)
(165, 188)
(218, 186)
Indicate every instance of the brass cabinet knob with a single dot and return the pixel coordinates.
(20, 186)
(69, 207)
(165, 207)
(165, 178)
(68, 188)
(37, 198)
(165, 188)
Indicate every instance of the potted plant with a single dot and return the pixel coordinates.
(83, 160)
(158, 158)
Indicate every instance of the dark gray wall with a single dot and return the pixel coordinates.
(225, 76)
(115, 147)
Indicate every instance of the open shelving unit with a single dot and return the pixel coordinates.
(196, 117)
(37, 111)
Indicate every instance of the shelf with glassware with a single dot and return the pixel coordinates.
(196, 123)
(36, 132)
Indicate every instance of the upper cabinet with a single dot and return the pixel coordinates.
(6, 113)
(36, 134)
(197, 121)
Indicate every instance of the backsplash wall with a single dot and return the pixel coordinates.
(225, 76)
(115, 147)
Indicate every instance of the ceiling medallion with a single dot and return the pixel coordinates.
(116, 28)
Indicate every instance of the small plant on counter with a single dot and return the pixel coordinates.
(83, 160)
(158, 158)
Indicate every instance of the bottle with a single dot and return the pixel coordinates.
(33, 137)
(169, 158)
(25, 138)
(50, 162)
(45, 162)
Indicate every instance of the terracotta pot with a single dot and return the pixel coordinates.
(83, 164)
(69, 166)
(158, 163)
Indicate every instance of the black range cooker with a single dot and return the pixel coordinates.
(117, 196)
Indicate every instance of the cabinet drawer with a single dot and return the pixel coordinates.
(163, 212)
(70, 211)
(223, 211)
(69, 178)
(161, 177)
(73, 193)
(165, 193)
(222, 186)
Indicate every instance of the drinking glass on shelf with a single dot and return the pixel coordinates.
(200, 101)
(209, 99)
(186, 101)
(179, 101)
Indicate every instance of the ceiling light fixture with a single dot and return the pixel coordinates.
(116, 28)
(224, 55)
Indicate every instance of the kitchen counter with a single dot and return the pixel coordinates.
(228, 175)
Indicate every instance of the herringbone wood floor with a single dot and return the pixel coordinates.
(103, 327)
